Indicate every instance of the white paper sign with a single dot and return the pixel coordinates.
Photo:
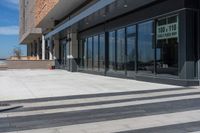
(167, 31)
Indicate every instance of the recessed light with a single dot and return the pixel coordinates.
(125, 6)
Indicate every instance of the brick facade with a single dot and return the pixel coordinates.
(42, 8)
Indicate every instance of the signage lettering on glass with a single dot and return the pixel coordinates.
(167, 31)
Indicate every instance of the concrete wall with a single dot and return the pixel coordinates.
(27, 64)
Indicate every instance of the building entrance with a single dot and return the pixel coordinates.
(63, 63)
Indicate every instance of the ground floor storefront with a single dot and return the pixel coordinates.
(145, 44)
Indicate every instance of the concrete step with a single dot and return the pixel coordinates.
(6, 107)
(81, 104)
(154, 109)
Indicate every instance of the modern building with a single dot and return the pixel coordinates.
(150, 40)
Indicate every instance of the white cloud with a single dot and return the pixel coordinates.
(9, 30)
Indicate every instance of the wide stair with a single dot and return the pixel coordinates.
(153, 111)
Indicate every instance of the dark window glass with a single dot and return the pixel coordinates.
(121, 50)
(102, 52)
(81, 53)
(90, 53)
(96, 53)
(172, 19)
(112, 47)
(131, 47)
(35, 49)
(146, 50)
(63, 53)
(162, 22)
(167, 52)
(85, 54)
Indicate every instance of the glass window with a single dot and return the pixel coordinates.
(102, 52)
(63, 52)
(90, 53)
(85, 54)
(112, 48)
(82, 53)
(131, 48)
(146, 52)
(96, 53)
(121, 50)
(167, 46)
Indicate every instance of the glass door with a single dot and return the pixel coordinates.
(131, 50)
(63, 54)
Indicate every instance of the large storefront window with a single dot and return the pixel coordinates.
(112, 51)
(131, 48)
(63, 52)
(85, 54)
(81, 53)
(146, 48)
(146, 52)
(90, 53)
(96, 53)
(167, 46)
(121, 50)
(102, 52)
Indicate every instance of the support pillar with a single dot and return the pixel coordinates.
(187, 48)
(50, 49)
(38, 49)
(73, 52)
(43, 48)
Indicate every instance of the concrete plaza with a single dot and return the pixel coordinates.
(26, 84)
(57, 101)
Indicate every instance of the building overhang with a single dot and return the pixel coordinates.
(99, 12)
(31, 35)
(58, 12)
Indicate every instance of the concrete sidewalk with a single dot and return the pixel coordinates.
(57, 101)
(28, 84)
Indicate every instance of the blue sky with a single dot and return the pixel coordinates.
(9, 28)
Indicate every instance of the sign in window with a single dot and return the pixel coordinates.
(167, 29)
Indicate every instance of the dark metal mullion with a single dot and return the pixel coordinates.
(87, 52)
(136, 49)
(106, 52)
(155, 46)
(99, 52)
(92, 52)
(116, 48)
(198, 47)
(126, 51)
(83, 53)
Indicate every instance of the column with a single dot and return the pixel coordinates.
(43, 48)
(73, 52)
(50, 49)
(187, 45)
(38, 49)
